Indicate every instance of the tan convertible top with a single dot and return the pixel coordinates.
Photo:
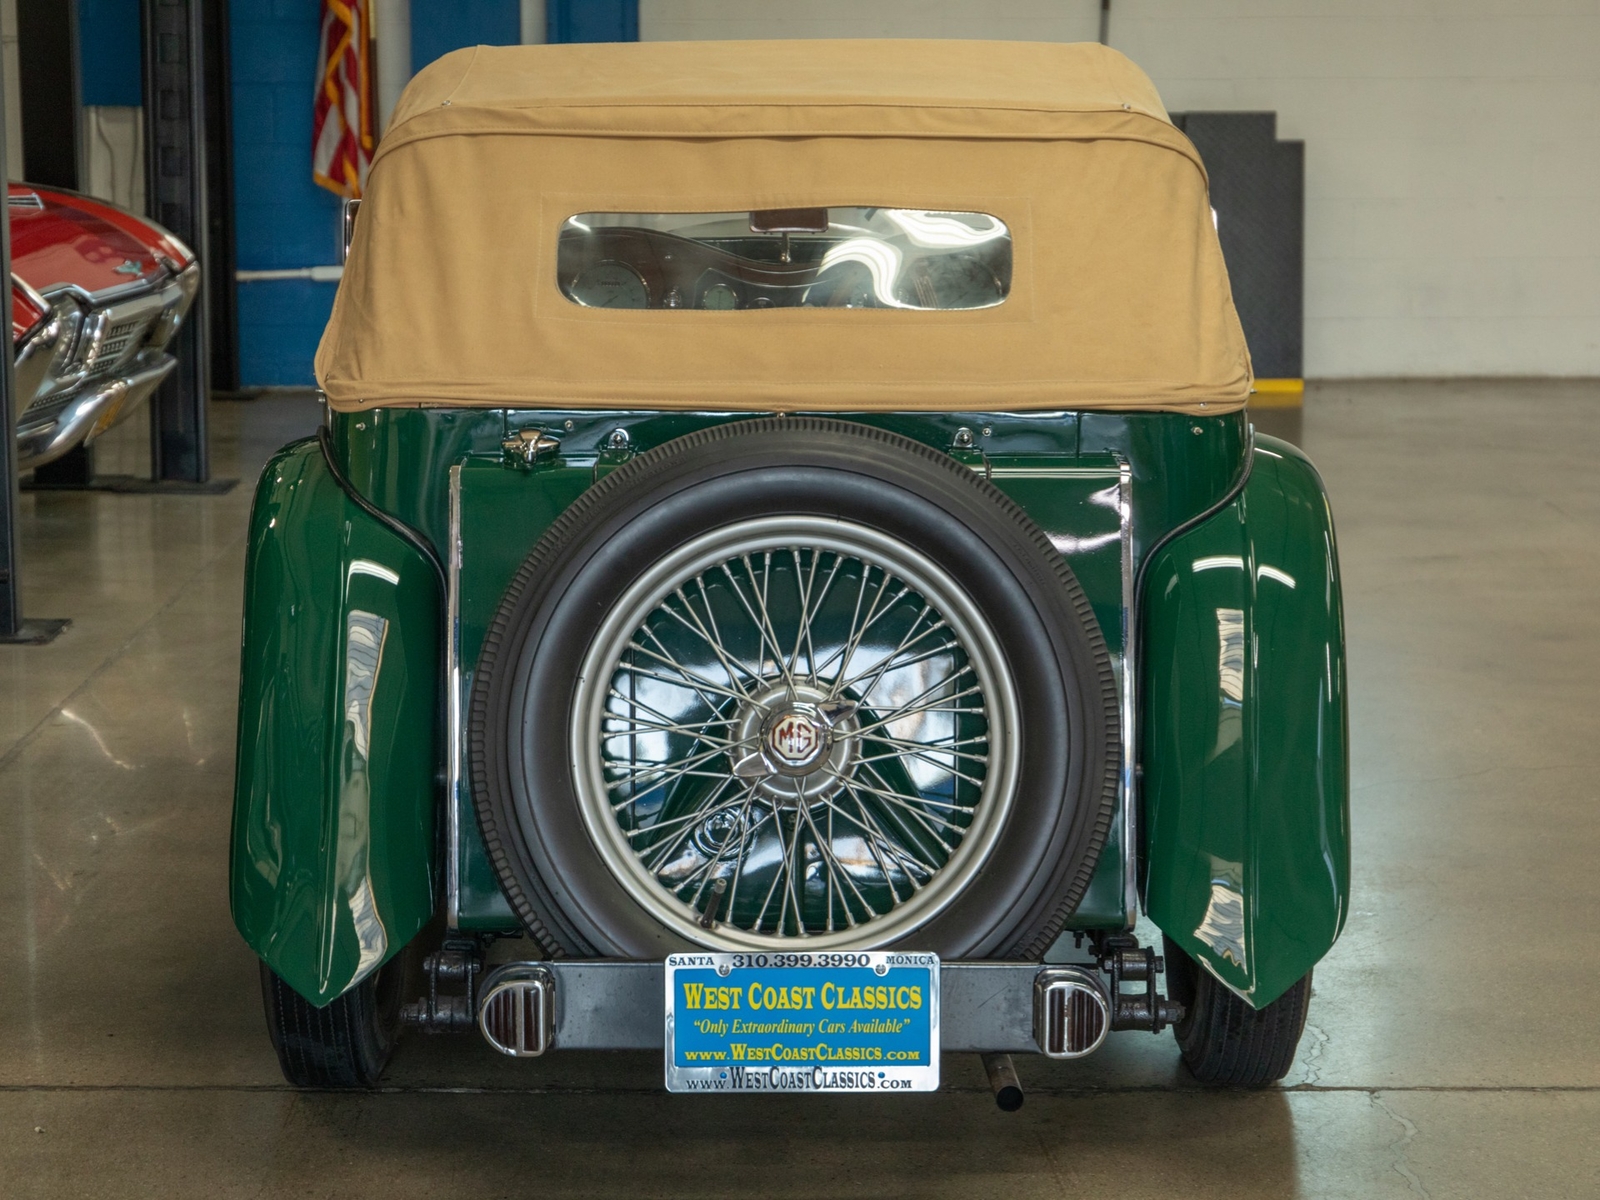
(1119, 297)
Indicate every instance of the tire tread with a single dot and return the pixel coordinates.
(1227, 1043)
(341, 1045)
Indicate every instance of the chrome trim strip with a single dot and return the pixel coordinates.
(27, 289)
(1021, 472)
(157, 282)
(1130, 804)
(453, 705)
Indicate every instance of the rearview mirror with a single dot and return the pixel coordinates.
(789, 220)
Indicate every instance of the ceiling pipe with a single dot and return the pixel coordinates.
(391, 29)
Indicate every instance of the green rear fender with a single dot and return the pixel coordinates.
(1244, 734)
(337, 790)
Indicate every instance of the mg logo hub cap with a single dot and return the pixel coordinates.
(795, 740)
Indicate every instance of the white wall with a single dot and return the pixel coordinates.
(113, 154)
(532, 18)
(1452, 150)
(12, 70)
(391, 25)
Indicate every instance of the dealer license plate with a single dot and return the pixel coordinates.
(847, 1022)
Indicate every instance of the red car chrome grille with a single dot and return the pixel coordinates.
(117, 344)
(41, 411)
(119, 340)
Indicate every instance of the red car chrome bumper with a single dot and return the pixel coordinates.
(94, 362)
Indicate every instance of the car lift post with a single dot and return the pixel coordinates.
(175, 190)
(182, 84)
(13, 629)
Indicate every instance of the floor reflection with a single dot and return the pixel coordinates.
(1285, 423)
(130, 1020)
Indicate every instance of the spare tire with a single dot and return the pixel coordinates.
(794, 683)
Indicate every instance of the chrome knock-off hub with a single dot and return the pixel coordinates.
(804, 743)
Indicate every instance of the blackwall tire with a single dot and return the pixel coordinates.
(1224, 1041)
(348, 1042)
(1009, 852)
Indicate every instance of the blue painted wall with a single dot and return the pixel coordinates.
(281, 218)
(440, 26)
(108, 40)
(591, 20)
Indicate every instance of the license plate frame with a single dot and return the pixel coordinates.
(803, 1034)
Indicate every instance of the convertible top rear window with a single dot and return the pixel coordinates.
(848, 257)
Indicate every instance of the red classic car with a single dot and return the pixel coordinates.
(97, 293)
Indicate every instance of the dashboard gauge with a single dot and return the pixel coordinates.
(609, 285)
(719, 296)
(846, 285)
(951, 281)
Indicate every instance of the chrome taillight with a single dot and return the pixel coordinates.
(517, 1014)
(1071, 1011)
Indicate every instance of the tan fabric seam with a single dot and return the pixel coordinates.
(452, 293)
(391, 144)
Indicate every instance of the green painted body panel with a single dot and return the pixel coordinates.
(336, 804)
(1246, 778)
(301, 829)
(503, 513)
(1079, 506)
(505, 510)
(400, 458)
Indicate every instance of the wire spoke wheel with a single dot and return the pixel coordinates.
(794, 727)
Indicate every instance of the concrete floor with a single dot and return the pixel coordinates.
(1453, 1048)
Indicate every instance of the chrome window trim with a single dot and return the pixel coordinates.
(347, 227)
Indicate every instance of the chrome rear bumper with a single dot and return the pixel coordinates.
(96, 360)
(85, 415)
(527, 1008)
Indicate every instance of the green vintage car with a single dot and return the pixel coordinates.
(786, 580)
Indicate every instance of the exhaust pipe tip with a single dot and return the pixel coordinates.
(1071, 1012)
(1003, 1080)
(517, 1012)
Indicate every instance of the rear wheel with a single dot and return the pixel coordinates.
(794, 684)
(345, 1044)
(1226, 1042)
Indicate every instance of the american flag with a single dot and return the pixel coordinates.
(342, 119)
